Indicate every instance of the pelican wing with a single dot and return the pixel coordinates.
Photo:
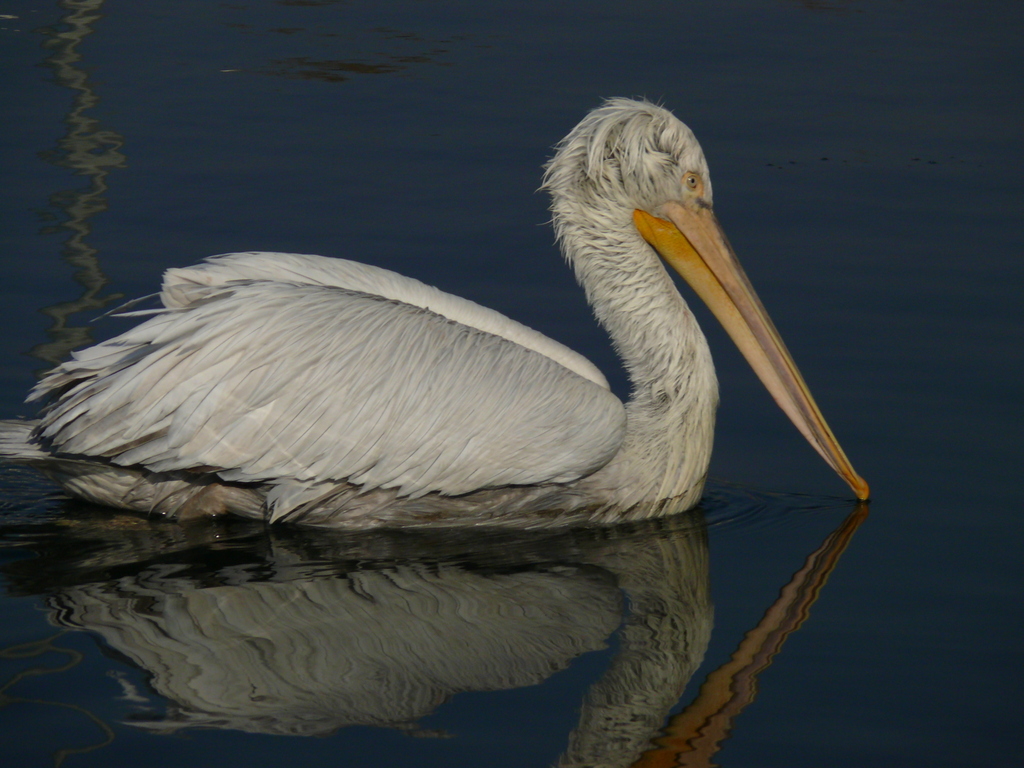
(341, 273)
(308, 382)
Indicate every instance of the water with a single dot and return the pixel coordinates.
(866, 160)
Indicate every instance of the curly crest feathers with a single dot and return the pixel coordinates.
(627, 151)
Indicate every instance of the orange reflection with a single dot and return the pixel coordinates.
(693, 736)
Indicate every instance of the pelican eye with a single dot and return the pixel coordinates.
(691, 180)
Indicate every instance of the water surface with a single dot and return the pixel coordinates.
(865, 158)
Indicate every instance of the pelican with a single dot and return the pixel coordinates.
(295, 387)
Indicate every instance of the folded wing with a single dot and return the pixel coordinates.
(305, 381)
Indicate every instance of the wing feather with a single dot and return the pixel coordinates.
(181, 286)
(308, 384)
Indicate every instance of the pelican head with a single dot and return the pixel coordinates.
(630, 181)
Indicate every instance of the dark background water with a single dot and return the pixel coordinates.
(866, 158)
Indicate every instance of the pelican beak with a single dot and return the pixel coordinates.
(693, 243)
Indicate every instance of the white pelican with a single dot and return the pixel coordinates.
(294, 387)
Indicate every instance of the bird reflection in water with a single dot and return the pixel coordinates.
(298, 632)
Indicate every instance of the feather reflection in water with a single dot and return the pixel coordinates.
(321, 630)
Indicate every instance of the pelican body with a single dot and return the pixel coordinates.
(302, 388)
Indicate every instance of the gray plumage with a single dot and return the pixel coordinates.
(286, 386)
(301, 386)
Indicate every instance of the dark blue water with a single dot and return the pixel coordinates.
(866, 159)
